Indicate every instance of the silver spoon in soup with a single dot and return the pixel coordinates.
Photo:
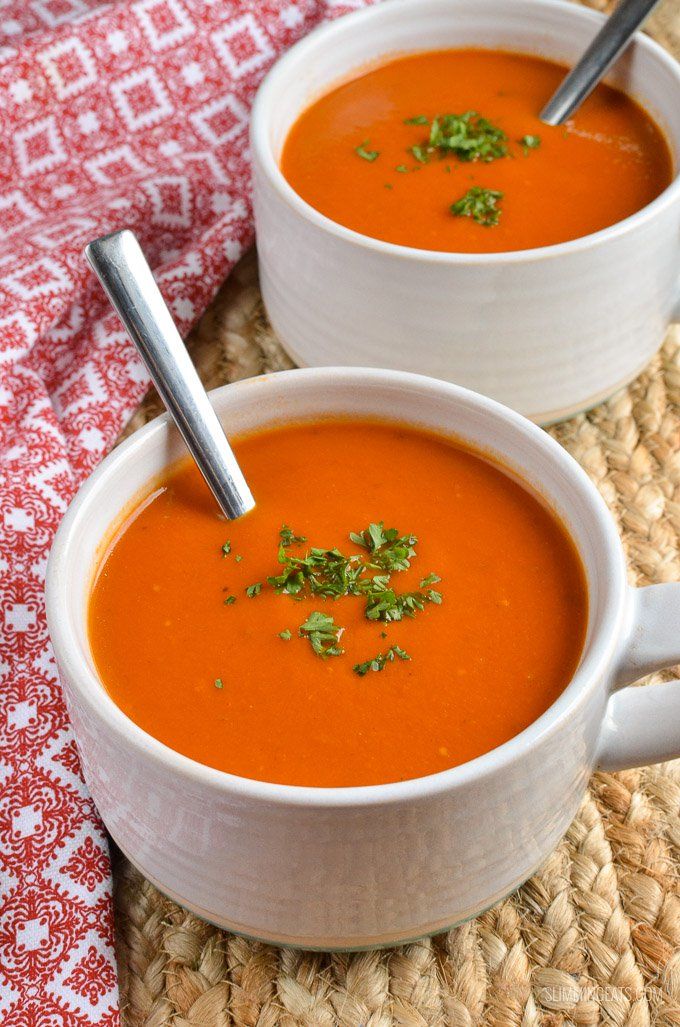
(608, 44)
(120, 265)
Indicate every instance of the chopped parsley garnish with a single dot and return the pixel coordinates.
(328, 573)
(226, 548)
(530, 143)
(331, 574)
(289, 538)
(480, 205)
(420, 153)
(389, 550)
(219, 683)
(238, 559)
(379, 662)
(401, 168)
(384, 604)
(420, 119)
(364, 153)
(467, 136)
(321, 572)
(323, 634)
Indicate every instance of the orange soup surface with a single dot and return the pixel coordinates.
(197, 647)
(368, 156)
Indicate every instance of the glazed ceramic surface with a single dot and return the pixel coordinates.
(352, 867)
(547, 331)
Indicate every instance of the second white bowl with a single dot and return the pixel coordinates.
(547, 331)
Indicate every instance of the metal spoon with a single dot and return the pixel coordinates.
(612, 38)
(120, 265)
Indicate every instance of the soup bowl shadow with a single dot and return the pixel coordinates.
(547, 331)
(367, 866)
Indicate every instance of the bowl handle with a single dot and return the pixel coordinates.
(642, 725)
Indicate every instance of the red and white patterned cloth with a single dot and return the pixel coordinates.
(129, 113)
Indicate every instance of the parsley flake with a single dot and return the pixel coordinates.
(384, 604)
(219, 683)
(226, 548)
(323, 634)
(285, 635)
(467, 136)
(480, 205)
(289, 538)
(254, 590)
(389, 550)
(322, 572)
(364, 153)
(530, 143)
(420, 153)
(379, 662)
(230, 600)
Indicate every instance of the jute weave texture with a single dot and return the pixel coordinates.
(594, 937)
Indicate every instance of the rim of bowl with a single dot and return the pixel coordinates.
(596, 658)
(323, 34)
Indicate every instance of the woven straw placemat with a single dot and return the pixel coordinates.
(594, 937)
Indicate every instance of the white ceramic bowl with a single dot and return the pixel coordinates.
(548, 331)
(351, 867)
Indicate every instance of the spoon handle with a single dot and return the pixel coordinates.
(612, 38)
(120, 265)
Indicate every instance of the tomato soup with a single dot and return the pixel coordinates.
(394, 605)
(444, 150)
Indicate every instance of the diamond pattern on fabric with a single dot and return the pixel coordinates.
(129, 113)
